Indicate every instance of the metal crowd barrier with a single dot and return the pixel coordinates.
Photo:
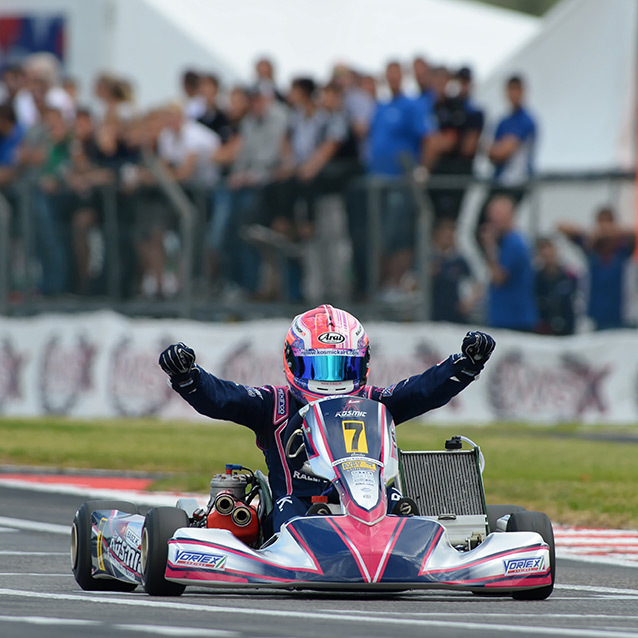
(192, 209)
(187, 215)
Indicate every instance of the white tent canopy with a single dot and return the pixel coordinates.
(153, 41)
(581, 72)
(310, 36)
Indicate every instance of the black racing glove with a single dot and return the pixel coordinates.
(177, 361)
(477, 348)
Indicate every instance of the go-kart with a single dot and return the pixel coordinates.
(439, 535)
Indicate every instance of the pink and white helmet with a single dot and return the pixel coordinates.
(326, 352)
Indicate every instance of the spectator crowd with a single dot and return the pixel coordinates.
(263, 161)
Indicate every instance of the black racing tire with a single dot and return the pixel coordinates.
(539, 523)
(159, 526)
(81, 532)
(405, 507)
(319, 509)
(494, 512)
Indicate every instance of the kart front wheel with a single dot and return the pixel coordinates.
(159, 526)
(539, 523)
(494, 512)
(81, 540)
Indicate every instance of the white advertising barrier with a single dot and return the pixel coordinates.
(105, 365)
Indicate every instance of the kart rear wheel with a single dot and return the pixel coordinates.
(539, 523)
(159, 526)
(81, 540)
(494, 512)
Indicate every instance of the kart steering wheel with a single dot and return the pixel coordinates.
(291, 441)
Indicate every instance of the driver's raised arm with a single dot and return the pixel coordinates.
(215, 397)
(437, 385)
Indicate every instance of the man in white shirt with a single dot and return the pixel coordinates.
(238, 202)
(42, 68)
(187, 147)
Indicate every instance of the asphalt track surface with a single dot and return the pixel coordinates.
(39, 598)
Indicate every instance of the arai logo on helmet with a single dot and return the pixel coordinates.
(331, 337)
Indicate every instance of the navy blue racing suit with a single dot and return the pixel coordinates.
(267, 409)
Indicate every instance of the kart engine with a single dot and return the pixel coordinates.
(229, 507)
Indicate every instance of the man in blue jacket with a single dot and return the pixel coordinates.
(512, 151)
(326, 353)
(511, 300)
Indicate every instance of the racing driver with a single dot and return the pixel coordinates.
(326, 352)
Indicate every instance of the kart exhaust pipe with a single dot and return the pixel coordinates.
(224, 504)
(242, 516)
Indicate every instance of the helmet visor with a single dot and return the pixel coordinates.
(329, 367)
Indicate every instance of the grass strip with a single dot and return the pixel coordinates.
(576, 480)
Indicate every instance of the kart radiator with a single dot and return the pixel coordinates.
(443, 482)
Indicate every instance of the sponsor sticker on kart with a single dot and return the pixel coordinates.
(351, 409)
(127, 555)
(524, 565)
(359, 464)
(345, 414)
(200, 559)
(133, 538)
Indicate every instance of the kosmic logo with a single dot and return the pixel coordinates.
(351, 410)
(348, 414)
(127, 555)
(200, 559)
(524, 565)
(331, 338)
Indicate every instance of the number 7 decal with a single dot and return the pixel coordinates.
(354, 436)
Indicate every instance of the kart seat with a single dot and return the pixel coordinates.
(266, 494)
